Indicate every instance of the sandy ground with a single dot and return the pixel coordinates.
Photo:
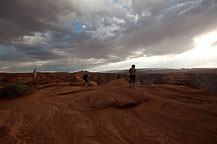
(111, 113)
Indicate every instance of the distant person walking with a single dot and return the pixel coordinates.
(35, 74)
(85, 77)
(132, 72)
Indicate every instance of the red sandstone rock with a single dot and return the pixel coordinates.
(110, 113)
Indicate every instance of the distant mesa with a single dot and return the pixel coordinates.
(83, 71)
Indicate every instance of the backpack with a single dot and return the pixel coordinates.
(132, 71)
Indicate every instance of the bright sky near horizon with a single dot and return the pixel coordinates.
(203, 55)
(101, 35)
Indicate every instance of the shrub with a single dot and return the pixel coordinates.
(14, 90)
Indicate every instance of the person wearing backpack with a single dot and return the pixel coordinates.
(132, 72)
(85, 78)
(35, 74)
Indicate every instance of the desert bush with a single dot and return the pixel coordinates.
(14, 90)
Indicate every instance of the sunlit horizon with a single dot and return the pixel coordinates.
(202, 51)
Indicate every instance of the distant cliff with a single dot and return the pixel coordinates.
(204, 81)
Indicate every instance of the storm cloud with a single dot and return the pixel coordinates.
(58, 35)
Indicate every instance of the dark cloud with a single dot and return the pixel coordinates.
(174, 31)
(21, 17)
(41, 30)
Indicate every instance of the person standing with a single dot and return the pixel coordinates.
(67, 72)
(35, 74)
(132, 72)
(85, 78)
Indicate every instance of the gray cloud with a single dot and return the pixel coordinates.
(41, 30)
(21, 17)
(171, 33)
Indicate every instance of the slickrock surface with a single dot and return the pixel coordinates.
(113, 113)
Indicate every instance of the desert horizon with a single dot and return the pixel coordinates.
(122, 70)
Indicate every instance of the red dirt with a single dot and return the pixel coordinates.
(59, 112)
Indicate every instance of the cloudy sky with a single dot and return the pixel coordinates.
(100, 35)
